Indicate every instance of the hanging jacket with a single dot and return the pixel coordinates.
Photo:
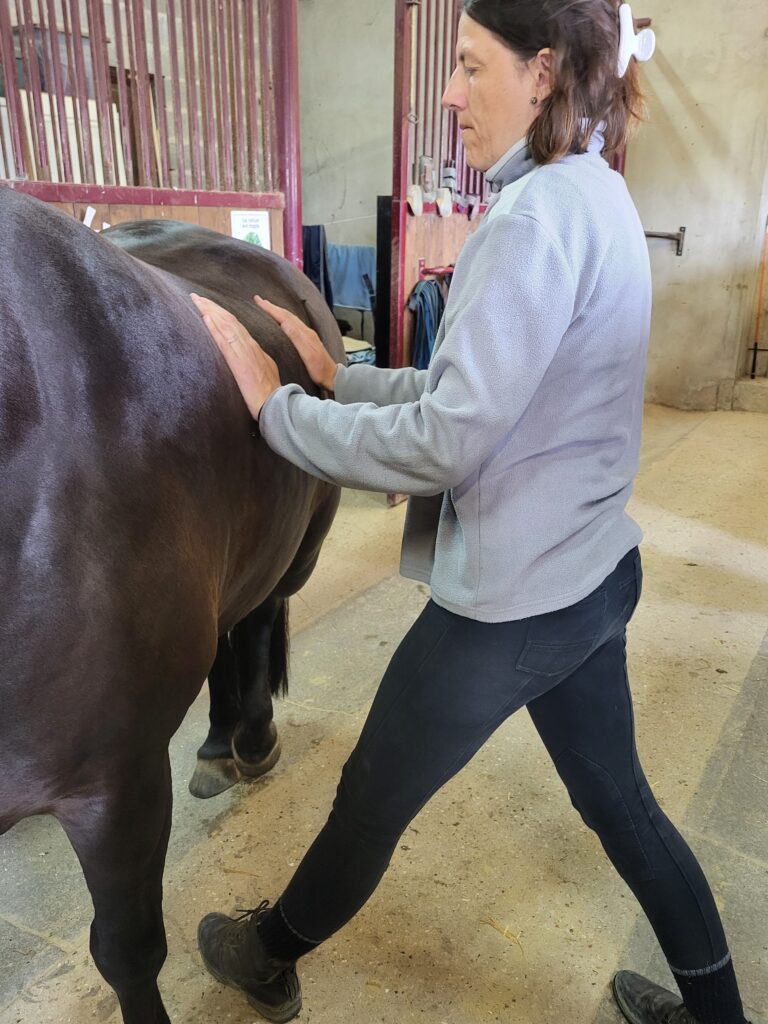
(428, 305)
(316, 261)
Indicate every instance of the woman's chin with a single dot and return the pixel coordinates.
(477, 163)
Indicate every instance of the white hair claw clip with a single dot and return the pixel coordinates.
(641, 46)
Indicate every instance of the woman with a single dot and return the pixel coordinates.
(520, 445)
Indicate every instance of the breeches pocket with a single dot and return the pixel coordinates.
(558, 642)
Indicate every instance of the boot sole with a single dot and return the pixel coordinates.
(270, 1013)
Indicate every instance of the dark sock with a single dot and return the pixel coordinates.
(280, 940)
(712, 996)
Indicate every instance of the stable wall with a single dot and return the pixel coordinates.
(701, 162)
(346, 57)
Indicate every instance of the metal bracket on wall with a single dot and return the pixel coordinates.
(755, 353)
(679, 237)
(425, 271)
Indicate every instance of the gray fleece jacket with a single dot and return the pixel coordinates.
(521, 442)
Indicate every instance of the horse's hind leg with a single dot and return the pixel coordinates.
(260, 643)
(121, 841)
(242, 735)
(216, 770)
(251, 668)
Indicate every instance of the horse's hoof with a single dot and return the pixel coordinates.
(255, 769)
(213, 777)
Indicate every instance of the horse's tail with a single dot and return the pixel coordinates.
(279, 653)
(247, 643)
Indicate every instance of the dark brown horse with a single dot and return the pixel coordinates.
(145, 534)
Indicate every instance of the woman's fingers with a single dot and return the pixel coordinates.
(278, 313)
(235, 343)
(289, 323)
(225, 345)
(320, 365)
(296, 330)
(207, 306)
(224, 326)
(255, 372)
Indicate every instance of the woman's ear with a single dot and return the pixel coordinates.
(542, 69)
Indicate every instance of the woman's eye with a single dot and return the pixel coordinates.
(469, 72)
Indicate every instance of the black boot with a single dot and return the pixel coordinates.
(642, 1002)
(235, 955)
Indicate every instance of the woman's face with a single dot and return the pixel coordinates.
(491, 91)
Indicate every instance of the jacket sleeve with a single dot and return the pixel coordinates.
(364, 383)
(498, 344)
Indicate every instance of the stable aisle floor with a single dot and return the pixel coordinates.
(500, 905)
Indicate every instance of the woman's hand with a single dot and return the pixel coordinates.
(320, 365)
(255, 372)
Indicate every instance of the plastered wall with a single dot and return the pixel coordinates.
(347, 74)
(701, 162)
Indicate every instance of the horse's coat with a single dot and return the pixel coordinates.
(140, 521)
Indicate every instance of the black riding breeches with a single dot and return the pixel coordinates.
(451, 683)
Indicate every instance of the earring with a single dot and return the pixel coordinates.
(534, 100)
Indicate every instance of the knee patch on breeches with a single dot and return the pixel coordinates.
(605, 810)
(362, 818)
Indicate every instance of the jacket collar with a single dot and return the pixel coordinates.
(517, 162)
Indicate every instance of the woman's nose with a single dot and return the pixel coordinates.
(454, 97)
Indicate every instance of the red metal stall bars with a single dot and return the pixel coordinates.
(152, 94)
(433, 140)
(144, 93)
(427, 142)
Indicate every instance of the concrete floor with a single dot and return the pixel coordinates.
(500, 905)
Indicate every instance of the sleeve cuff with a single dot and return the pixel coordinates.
(272, 403)
(341, 384)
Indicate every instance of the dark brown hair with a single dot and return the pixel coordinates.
(586, 88)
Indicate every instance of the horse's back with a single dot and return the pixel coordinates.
(87, 328)
(228, 270)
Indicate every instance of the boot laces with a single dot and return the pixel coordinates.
(255, 914)
(286, 972)
(235, 934)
